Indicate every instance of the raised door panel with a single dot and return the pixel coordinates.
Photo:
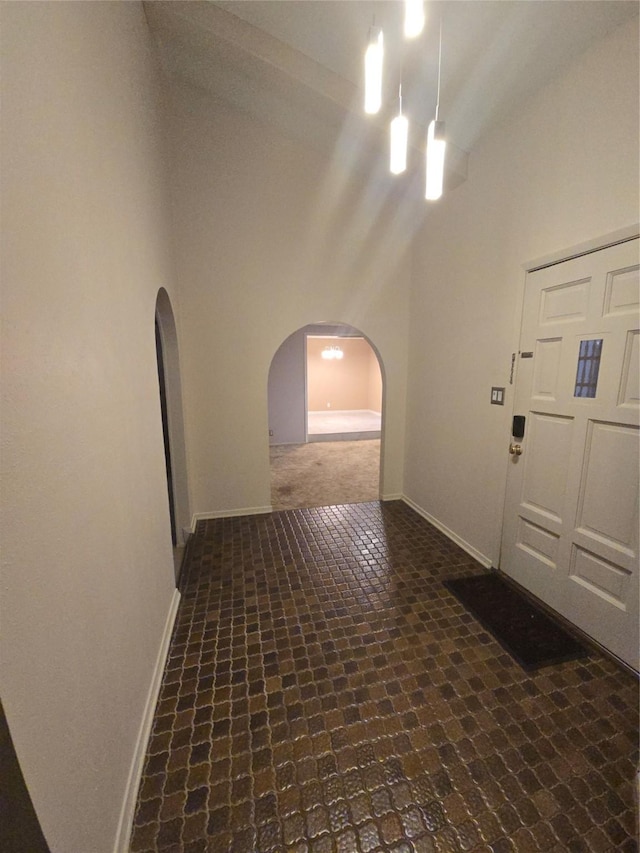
(601, 578)
(538, 542)
(546, 466)
(611, 461)
(622, 292)
(571, 511)
(565, 303)
(629, 395)
(546, 369)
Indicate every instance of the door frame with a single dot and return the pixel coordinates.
(162, 381)
(613, 238)
(165, 319)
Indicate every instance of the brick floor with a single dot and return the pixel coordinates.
(324, 693)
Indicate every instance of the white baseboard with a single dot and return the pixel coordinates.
(473, 552)
(127, 813)
(228, 513)
(397, 497)
(341, 411)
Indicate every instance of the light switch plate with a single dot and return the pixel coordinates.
(497, 396)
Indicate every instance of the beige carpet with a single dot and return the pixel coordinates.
(324, 473)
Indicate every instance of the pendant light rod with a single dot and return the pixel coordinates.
(439, 68)
(436, 143)
(399, 130)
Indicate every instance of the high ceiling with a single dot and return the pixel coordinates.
(298, 63)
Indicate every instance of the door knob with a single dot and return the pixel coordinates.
(515, 449)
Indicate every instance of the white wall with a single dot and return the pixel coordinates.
(286, 391)
(562, 172)
(271, 237)
(374, 384)
(87, 574)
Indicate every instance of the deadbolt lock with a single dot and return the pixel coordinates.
(515, 449)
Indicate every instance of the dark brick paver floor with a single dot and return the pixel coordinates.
(325, 694)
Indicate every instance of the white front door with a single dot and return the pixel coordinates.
(571, 515)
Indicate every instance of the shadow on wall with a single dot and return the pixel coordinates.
(172, 417)
(19, 827)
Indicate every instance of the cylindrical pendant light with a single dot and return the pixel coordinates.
(436, 145)
(399, 138)
(413, 18)
(373, 72)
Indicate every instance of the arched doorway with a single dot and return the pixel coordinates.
(162, 382)
(172, 422)
(325, 400)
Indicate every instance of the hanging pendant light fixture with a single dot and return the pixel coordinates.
(436, 144)
(413, 18)
(373, 71)
(414, 22)
(332, 352)
(399, 136)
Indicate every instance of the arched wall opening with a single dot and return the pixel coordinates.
(172, 420)
(290, 395)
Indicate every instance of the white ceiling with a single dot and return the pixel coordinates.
(298, 63)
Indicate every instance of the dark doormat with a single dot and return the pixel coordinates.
(529, 634)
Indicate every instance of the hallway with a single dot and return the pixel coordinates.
(324, 693)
